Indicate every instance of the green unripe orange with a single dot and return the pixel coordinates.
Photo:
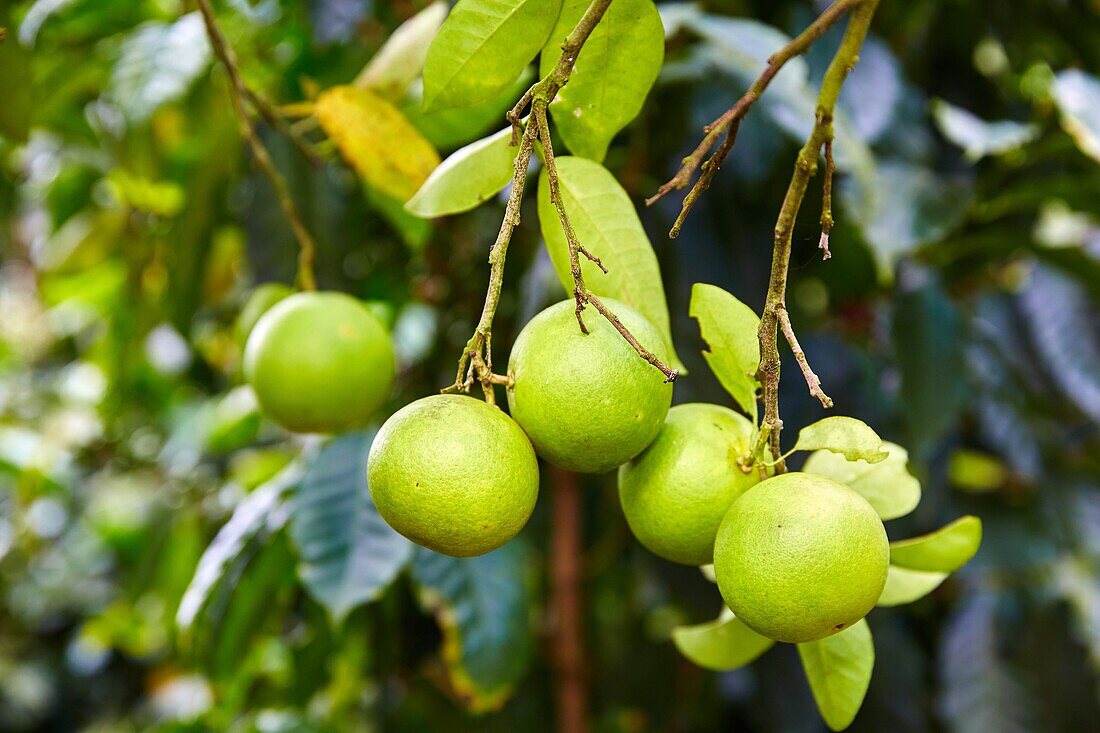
(675, 492)
(588, 402)
(259, 301)
(799, 557)
(319, 362)
(453, 474)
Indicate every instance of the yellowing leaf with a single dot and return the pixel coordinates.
(376, 140)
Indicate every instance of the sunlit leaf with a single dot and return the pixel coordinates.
(157, 63)
(348, 555)
(720, 645)
(729, 328)
(401, 58)
(376, 139)
(467, 178)
(852, 438)
(977, 137)
(612, 76)
(482, 47)
(887, 485)
(838, 668)
(905, 586)
(482, 605)
(452, 128)
(1077, 94)
(608, 226)
(945, 550)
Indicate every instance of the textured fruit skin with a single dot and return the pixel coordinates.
(676, 492)
(587, 402)
(319, 362)
(453, 474)
(799, 557)
(259, 301)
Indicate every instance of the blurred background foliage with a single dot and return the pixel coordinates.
(957, 316)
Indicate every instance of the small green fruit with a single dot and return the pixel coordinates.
(675, 493)
(587, 402)
(259, 302)
(319, 362)
(453, 474)
(799, 557)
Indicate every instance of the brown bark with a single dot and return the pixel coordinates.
(566, 567)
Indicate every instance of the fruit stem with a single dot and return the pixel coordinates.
(239, 94)
(566, 602)
(775, 311)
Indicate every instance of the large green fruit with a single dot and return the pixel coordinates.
(675, 492)
(587, 402)
(799, 557)
(454, 474)
(319, 362)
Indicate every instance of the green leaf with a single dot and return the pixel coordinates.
(448, 129)
(348, 555)
(854, 439)
(482, 47)
(977, 137)
(1077, 95)
(887, 485)
(720, 645)
(401, 59)
(944, 551)
(376, 140)
(612, 76)
(838, 668)
(729, 329)
(260, 515)
(483, 608)
(467, 178)
(905, 586)
(157, 63)
(607, 224)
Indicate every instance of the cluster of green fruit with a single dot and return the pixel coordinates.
(797, 557)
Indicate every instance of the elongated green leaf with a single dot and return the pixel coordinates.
(853, 439)
(887, 485)
(723, 644)
(905, 586)
(261, 514)
(608, 226)
(467, 178)
(838, 668)
(448, 129)
(376, 139)
(482, 47)
(401, 58)
(977, 137)
(944, 551)
(729, 328)
(483, 608)
(1077, 95)
(613, 74)
(347, 553)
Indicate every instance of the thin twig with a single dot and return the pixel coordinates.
(827, 200)
(238, 93)
(805, 166)
(729, 121)
(270, 113)
(812, 380)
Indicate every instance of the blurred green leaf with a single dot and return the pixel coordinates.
(467, 178)
(483, 606)
(838, 668)
(944, 551)
(401, 58)
(887, 485)
(729, 329)
(157, 63)
(905, 586)
(977, 137)
(482, 46)
(16, 85)
(348, 555)
(608, 226)
(852, 438)
(1077, 94)
(720, 645)
(612, 76)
